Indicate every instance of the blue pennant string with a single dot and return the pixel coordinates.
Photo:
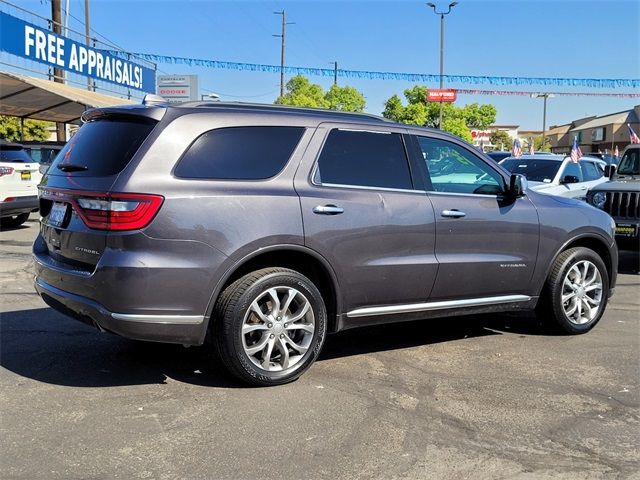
(411, 77)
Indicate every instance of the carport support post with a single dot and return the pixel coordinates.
(58, 73)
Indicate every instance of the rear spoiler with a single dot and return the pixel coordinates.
(152, 112)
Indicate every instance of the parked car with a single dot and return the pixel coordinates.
(262, 228)
(620, 197)
(43, 152)
(557, 174)
(498, 155)
(19, 178)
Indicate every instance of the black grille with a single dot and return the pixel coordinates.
(623, 204)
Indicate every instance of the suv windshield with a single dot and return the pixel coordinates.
(630, 163)
(535, 170)
(14, 155)
(101, 147)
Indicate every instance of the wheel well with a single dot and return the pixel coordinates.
(597, 246)
(301, 262)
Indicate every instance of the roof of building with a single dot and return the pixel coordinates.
(627, 116)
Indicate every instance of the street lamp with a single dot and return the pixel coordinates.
(544, 113)
(442, 14)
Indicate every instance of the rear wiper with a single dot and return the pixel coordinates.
(69, 167)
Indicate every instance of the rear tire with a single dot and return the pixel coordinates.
(576, 292)
(269, 326)
(14, 221)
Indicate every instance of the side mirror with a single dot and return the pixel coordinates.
(567, 179)
(517, 185)
(609, 170)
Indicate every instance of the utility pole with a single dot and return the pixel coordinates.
(544, 96)
(335, 73)
(58, 73)
(283, 36)
(87, 33)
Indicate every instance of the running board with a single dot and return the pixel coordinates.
(428, 306)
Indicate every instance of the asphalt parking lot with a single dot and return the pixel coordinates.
(473, 397)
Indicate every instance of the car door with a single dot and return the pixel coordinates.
(486, 242)
(592, 174)
(571, 189)
(363, 212)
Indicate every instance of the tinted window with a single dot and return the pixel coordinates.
(590, 171)
(572, 169)
(14, 155)
(454, 169)
(535, 170)
(365, 159)
(101, 148)
(239, 153)
(630, 163)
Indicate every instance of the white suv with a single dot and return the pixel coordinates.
(557, 174)
(19, 179)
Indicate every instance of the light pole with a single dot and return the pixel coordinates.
(544, 113)
(442, 14)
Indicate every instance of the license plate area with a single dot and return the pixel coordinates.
(57, 214)
(25, 175)
(626, 230)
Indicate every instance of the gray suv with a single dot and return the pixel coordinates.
(259, 229)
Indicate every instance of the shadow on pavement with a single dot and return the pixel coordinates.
(45, 346)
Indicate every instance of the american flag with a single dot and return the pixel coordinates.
(531, 151)
(633, 136)
(516, 151)
(576, 153)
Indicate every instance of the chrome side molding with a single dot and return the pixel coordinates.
(427, 306)
(179, 319)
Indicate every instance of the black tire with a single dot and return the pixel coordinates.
(550, 307)
(229, 315)
(14, 221)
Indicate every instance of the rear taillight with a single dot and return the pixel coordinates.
(122, 211)
(109, 211)
(6, 171)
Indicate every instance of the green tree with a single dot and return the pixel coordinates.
(456, 120)
(537, 144)
(302, 93)
(500, 140)
(346, 99)
(33, 129)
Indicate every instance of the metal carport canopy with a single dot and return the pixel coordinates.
(40, 99)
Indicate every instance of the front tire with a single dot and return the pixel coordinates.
(269, 326)
(576, 291)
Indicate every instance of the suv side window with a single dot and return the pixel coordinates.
(367, 159)
(591, 171)
(453, 169)
(239, 153)
(572, 169)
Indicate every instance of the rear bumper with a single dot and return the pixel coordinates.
(182, 329)
(19, 205)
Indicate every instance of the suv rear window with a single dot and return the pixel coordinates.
(101, 147)
(239, 153)
(367, 159)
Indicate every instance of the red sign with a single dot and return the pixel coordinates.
(441, 95)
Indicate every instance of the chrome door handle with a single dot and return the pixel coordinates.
(328, 210)
(453, 213)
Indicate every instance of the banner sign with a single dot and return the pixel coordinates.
(26, 40)
(441, 96)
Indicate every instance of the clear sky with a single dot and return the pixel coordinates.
(543, 38)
